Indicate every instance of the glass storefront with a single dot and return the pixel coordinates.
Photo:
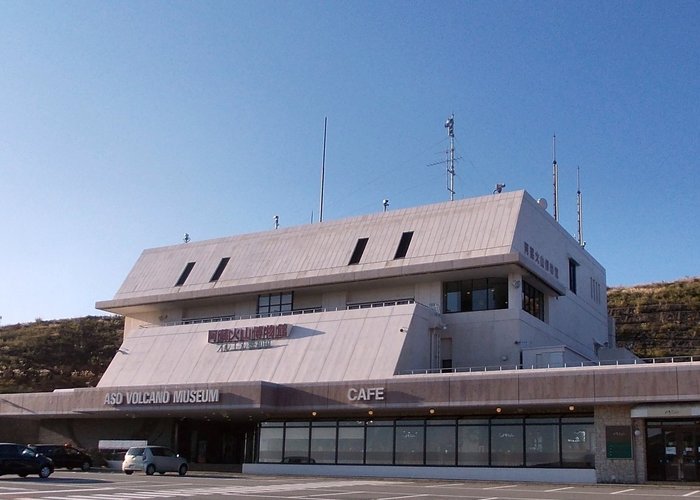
(560, 441)
(673, 450)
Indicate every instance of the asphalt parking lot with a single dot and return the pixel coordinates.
(102, 485)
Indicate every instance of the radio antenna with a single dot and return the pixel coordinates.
(579, 208)
(323, 169)
(555, 177)
(450, 126)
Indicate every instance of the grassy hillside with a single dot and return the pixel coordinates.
(48, 355)
(660, 319)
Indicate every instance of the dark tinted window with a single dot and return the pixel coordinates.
(359, 250)
(183, 277)
(134, 452)
(402, 250)
(220, 269)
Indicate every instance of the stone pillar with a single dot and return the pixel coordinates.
(616, 470)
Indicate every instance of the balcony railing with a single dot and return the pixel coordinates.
(294, 312)
(582, 364)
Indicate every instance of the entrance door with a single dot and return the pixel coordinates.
(683, 464)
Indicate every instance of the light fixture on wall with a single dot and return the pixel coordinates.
(370, 413)
(499, 410)
(516, 284)
(313, 413)
(572, 407)
(431, 411)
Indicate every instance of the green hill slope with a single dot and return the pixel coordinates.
(48, 355)
(657, 320)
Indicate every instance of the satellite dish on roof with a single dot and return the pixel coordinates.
(543, 203)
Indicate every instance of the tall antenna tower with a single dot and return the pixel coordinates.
(555, 177)
(323, 171)
(450, 126)
(579, 208)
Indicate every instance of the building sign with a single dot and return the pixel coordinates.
(541, 260)
(366, 394)
(618, 441)
(184, 396)
(249, 337)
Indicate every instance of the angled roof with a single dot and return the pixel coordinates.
(445, 235)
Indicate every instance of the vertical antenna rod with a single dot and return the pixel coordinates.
(555, 177)
(450, 126)
(579, 208)
(323, 169)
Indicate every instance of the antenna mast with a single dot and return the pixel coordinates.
(450, 126)
(323, 170)
(555, 177)
(579, 208)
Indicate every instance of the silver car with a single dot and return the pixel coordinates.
(152, 459)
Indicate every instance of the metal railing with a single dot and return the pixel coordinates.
(294, 312)
(582, 364)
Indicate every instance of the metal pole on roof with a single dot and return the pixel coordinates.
(555, 177)
(323, 169)
(450, 126)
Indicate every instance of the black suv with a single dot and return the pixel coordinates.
(22, 460)
(64, 456)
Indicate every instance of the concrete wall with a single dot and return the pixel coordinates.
(614, 470)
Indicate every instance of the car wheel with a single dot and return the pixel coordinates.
(128, 472)
(161, 473)
(85, 467)
(182, 470)
(44, 472)
(150, 469)
(24, 474)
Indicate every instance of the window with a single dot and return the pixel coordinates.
(403, 245)
(359, 250)
(475, 295)
(572, 275)
(183, 277)
(275, 303)
(219, 269)
(533, 301)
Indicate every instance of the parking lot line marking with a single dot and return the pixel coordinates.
(403, 496)
(691, 493)
(75, 490)
(622, 491)
(559, 489)
(501, 487)
(445, 485)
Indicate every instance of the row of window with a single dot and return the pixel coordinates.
(214, 277)
(560, 441)
(401, 250)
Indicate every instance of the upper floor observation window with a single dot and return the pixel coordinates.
(572, 275)
(219, 269)
(275, 303)
(185, 274)
(533, 301)
(475, 295)
(405, 242)
(359, 250)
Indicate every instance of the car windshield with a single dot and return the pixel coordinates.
(134, 452)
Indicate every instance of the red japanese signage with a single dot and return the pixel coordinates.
(265, 332)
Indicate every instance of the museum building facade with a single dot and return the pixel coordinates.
(467, 339)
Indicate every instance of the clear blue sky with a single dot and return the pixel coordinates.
(126, 124)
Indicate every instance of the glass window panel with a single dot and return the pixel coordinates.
(473, 421)
(296, 443)
(441, 422)
(440, 445)
(351, 443)
(263, 300)
(323, 445)
(577, 445)
(473, 445)
(409, 445)
(410, 422)
(270, 444)
(479, 295)
(507, 446)
(380, 445)
(542, 445)
(498, 297)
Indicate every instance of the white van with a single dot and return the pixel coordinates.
(151, 459)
